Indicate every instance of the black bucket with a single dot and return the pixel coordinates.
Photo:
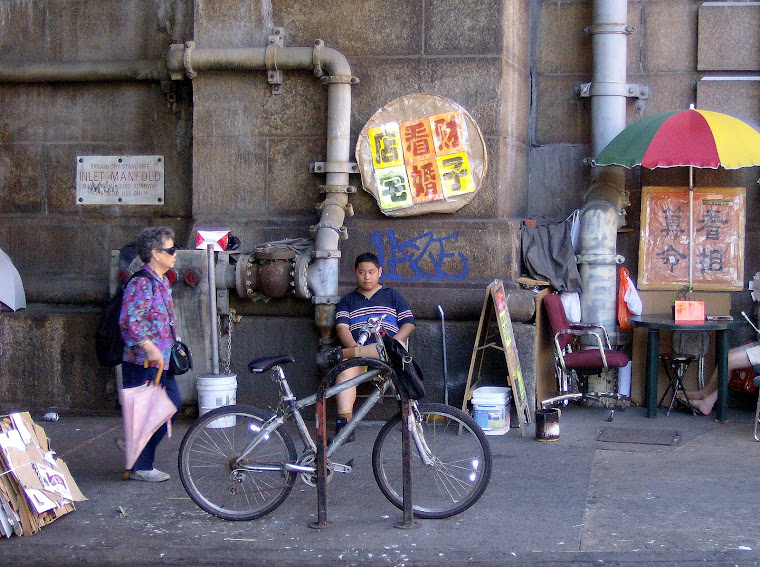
(547, 424)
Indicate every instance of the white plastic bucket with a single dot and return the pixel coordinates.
(215, 391)
(490, 409)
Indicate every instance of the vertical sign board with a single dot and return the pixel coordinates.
(717, 238)
(495, 303)
(120, 180)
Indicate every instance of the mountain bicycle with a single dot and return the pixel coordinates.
(239, 463)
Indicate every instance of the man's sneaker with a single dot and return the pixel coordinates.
(153, 475)
(340, 423)
(326, 358)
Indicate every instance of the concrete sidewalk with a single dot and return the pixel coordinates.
(572, 501)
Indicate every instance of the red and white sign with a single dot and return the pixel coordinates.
(216, 237)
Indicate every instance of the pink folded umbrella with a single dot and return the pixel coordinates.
(144, 409)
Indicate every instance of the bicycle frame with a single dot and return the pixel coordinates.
(294, 407)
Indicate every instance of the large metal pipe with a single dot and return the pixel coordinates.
(183, 60)
(333, 68)
(605, 200)
(81, 71)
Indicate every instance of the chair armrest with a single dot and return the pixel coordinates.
(593, 326)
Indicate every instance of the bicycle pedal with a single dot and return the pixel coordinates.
(343, 469)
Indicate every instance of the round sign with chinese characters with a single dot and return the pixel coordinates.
(421, 154)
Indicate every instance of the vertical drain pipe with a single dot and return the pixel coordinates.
(605, 200)
(322, 274)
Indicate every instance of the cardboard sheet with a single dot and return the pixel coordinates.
(36, 486)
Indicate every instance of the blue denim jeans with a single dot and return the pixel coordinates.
(135, 375)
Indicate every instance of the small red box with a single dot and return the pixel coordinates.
(689, 312)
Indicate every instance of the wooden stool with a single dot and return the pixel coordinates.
(675, 367)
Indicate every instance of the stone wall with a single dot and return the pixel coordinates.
(238, 156)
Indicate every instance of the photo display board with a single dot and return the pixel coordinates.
(718, 238)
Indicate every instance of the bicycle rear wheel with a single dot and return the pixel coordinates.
(461, 465)
(207, 467)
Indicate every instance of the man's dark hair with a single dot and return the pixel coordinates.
(366, 257)
(152, 238)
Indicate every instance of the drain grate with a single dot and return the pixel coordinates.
(639, 436)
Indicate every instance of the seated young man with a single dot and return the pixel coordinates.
(369, 299)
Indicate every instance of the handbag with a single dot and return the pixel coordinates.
(407, 370)
(180, 358)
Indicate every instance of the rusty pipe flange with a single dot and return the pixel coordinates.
(245, 276)
(272, 277)
(300, 276)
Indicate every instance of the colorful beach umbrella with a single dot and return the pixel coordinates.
(694, 138)
(685, 138)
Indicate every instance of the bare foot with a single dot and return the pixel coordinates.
(703, 406)
(696, 394)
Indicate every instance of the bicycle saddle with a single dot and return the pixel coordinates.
(264, 364)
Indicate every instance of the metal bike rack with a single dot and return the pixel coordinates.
(407, 521)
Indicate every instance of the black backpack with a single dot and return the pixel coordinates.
(109, 344)
(408, 371)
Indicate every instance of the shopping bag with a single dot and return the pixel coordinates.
(629, 302)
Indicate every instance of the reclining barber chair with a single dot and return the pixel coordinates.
(574, 362)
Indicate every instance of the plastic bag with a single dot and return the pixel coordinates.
(571, 301)
(629, 302)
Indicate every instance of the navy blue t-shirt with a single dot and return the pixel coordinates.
(354, 310)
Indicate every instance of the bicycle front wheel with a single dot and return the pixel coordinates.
(460, 468)
(212, 476)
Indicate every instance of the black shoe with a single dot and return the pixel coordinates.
(340, 423)
(326, 358)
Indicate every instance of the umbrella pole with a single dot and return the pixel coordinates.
(691, 225)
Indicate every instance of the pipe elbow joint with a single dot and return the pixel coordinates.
(331, 62)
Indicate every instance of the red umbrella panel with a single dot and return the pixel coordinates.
(696, 138)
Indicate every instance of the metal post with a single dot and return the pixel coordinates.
(321, 441)
(653, 355)
(212, 309)
(407, 521)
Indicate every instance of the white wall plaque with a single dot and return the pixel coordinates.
(120, 180)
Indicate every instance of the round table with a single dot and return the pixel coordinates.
(656, 323)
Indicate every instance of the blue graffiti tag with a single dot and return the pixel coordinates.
(413, 253)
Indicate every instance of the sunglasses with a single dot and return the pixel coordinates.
(171, 250)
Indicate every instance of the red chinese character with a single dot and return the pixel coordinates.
(447, 132)
(417, 139)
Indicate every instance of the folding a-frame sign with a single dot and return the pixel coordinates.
(495, 303)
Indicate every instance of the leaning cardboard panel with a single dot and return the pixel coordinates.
(421, 154)
(718, 215)
(39, 487)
